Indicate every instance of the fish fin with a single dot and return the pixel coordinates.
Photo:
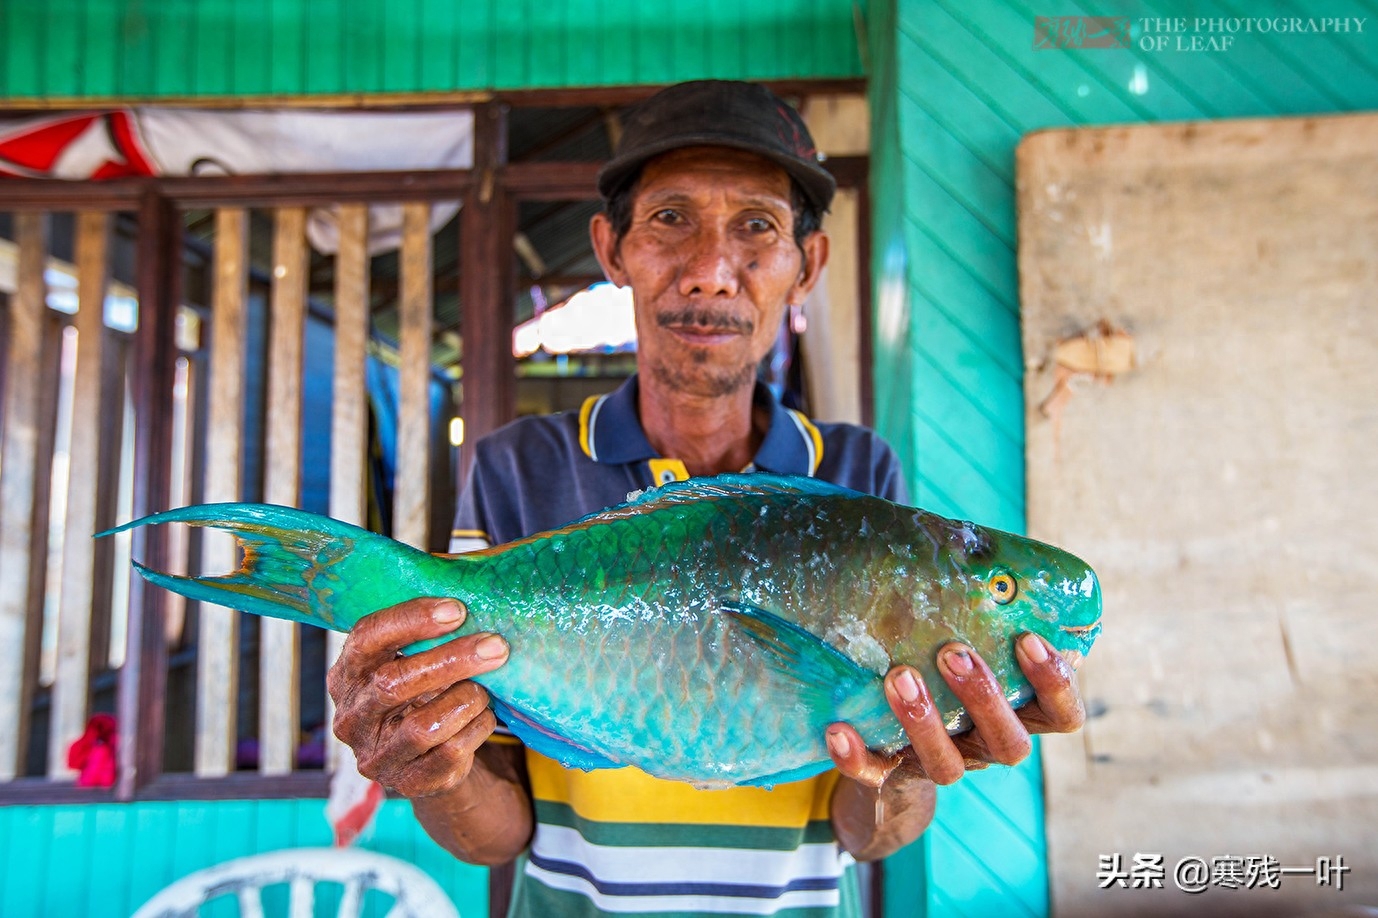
(735, 483)
(547, 742)
(831, 681)
(299, 566)
(797, 654)
(791, 774)
(719, 486)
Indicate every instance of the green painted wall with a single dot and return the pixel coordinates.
(69, 49)
(954, 86)
(105, 860)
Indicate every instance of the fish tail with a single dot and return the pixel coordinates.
(300, 566)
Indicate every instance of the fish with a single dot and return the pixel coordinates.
(705, 631)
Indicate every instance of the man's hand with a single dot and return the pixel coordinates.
(418, 725)
(888, 800)
(414, 722)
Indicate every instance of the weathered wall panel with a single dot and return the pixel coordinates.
(1222, 488)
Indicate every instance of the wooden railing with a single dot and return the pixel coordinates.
(207, 445)
(72, 367)
(211, 441)
(84, 577)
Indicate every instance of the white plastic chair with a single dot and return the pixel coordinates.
(416, 895)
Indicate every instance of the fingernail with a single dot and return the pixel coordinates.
(491, 648)
(958, 662)
(447, 613)
(837, 743)
(906, 686)
(1034, 648)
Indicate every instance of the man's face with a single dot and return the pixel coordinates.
(712, 262)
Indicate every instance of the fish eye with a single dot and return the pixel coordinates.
(1003, 588)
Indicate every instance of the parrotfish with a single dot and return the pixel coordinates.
(705, 631)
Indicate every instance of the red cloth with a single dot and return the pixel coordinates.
(93, 754)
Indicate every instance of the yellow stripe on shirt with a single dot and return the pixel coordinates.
(815, 437)
(585, 413)
(631, 795)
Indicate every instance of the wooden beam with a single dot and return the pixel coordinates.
(411, 491)
(110, 436)
(488, 219)
(415, 100)
(626, 95)
(525, 180)
(298, 189)
(866, 308)
(349, 415)
(421, 101)
(18, 479)
(546, 181)
(278, 700)
(217, 663)
(71, 690)
(49, 382)
(177, 786)
(315, 189)
(140, 702)
(64, 195)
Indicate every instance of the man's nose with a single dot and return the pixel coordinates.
(709, 265)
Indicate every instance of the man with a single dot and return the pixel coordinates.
(712, 214)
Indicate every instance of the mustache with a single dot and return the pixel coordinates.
(705, 319)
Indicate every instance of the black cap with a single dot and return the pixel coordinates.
(718, 113)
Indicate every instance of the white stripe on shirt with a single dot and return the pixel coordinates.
(628, 864)
(804, 898)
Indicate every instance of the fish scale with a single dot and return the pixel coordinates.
(707, 631)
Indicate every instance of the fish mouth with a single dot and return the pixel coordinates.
(1074, 658)
(1081, 630)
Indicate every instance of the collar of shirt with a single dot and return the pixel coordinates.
(610, 432)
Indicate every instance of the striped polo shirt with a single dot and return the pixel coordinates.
(618, 841)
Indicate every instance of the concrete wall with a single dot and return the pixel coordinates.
(1224, 488)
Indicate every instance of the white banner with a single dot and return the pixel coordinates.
(178, 141)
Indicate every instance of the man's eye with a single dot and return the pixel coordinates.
(667, 216)
(759, 225)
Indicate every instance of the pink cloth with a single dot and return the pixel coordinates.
(93, 754)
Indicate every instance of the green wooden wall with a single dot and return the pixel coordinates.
(105, 860)
(130, 49)
(954, 86)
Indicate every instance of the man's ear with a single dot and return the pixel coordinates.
(605, 249)
(815, 248)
